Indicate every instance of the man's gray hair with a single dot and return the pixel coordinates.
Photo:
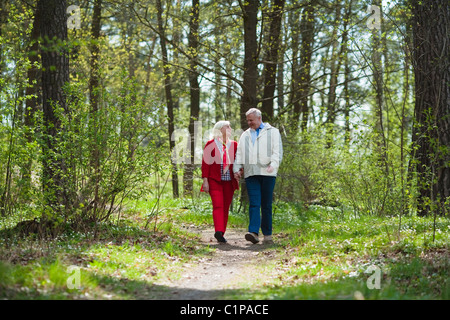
(255, 111)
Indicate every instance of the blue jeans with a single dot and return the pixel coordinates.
(260, 194)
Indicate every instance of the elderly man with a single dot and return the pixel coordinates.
(259, 153)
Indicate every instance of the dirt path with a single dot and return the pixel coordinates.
(232, 266)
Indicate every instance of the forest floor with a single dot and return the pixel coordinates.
(318, 254)
(231, 267)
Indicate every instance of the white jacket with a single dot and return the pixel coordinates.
(255, 158)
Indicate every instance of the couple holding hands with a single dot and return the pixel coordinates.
(257, 157)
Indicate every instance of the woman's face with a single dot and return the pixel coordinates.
(226, 130)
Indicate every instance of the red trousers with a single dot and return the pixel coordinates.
(221, 195)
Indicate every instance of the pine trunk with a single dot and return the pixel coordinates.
(55, 74)
(431, 134)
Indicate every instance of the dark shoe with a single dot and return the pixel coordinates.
(252, 237)
(219, 236)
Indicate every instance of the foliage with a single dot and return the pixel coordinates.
(329, 254)
(344, 175)
(115, 261)
(349, 150)
(321, 253)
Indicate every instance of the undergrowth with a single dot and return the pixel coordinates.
(331, 253)
(322, 253)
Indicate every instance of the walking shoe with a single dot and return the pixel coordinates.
(268, 240)
(252, 237)
(219, 236)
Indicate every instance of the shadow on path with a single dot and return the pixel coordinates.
(227, 270)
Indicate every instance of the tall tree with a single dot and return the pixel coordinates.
(378, 81)
(32, 92)
(94, 89)
(334, 71)
(431, 136)
(346, 71)
(55, 75)
(250, 18)
(304, 77)
(168, 92)
(271, 57)
(193, 42)
(3, 19)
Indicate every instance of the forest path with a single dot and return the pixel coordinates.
(233, 266)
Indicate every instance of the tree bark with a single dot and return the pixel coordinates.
(304, 79)
(94, 89)
(193, 42)
(32, 92)
(347, 72)
(55, 74)
(250, 77)
(168, 92)
(431, 133)
(3, 19)
(378, 78)
(271, 58)
(334, 71)
(249, 99)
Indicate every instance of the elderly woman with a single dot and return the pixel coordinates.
(217, 174)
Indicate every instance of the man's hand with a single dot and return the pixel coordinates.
(270, 169)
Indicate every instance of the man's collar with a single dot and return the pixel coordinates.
(261, 126)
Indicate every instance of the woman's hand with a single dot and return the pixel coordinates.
(238, 175)
(205, 185)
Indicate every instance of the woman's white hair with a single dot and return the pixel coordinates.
(218, 126)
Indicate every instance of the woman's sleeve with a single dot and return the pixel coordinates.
(205, 165)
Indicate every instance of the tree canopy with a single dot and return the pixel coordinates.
(97, 98)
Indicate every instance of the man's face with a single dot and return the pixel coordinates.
(253, 121)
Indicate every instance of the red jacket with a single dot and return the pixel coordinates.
(211, 162)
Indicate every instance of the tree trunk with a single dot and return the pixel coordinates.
(3, 19)
(378, 78)
(95, 51)
(168, 92)
(94, 99)
(334, 71)
(195, 94)
(249, 99)
(294, 22)
(32, 92)
(271, 58)
(431, 133)
(347, 72)
(304, 79)
(55, 74)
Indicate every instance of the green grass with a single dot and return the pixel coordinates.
(322, 253)
(327, 254)
(121, 262)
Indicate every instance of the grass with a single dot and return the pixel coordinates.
(322, 253)
(329, 254)
(121, 262)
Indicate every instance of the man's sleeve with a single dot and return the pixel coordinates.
(277, 150)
